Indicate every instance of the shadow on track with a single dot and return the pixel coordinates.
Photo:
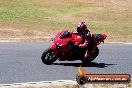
(92, 64)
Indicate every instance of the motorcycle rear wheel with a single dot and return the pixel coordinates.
(95, 54)
(48, 57)
(86, 60)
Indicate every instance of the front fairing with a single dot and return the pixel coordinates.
(76, 38)
(61, 40)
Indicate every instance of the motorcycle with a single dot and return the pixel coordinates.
(63, 48)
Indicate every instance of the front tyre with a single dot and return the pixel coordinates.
(48, 57)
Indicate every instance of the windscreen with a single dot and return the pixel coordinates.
(65, 34)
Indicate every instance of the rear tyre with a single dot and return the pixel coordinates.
(95, 54)
(48, 57)
(87, 60)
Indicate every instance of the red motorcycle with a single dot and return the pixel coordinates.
(63, 48)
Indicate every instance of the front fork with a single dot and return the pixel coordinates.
(54, 49)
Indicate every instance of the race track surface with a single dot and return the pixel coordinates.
(20, 62)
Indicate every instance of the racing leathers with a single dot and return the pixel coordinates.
(88, 43)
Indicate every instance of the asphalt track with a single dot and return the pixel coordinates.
(20, 62)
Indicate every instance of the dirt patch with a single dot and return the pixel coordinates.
(108, 2)
(12, 34)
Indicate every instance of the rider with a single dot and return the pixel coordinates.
(88, 39)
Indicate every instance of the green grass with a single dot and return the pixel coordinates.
(52, 16)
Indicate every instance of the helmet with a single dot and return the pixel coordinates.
(81, 27)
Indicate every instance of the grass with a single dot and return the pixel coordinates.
(30, 18)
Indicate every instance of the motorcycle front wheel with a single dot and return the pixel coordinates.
(48, 57)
